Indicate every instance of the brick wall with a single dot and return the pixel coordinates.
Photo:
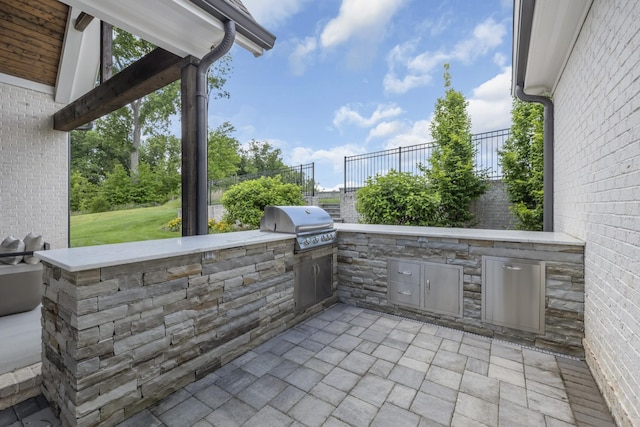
(33, 167)
(597, 192)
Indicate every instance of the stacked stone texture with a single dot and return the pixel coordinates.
(118, 339)
(362, 277)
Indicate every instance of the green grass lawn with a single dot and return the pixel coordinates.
(123, 226)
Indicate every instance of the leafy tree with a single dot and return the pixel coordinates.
(260, 156)
(397, 198)
(452, 174)
(245, 202)
(523, 164)
(117, 187)
(81, 191)
(93, 155)
(223, 152)
(163, 155)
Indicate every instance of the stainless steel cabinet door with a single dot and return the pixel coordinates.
(304, 291)
(443, 288)
(513, 293)
(404, 283)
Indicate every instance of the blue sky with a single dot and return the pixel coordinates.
(354, 76)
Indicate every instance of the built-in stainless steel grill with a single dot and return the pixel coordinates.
(312, 225)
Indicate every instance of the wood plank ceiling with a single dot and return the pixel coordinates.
(31, 37)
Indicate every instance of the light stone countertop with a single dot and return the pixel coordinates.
(464, 233)
(90, 257)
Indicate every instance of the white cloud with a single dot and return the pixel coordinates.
(490, 103)
(486, 36)
(418, 133)
(346, 114)
(300, 58)
(384, 129)
(358, 18)
(272, 14)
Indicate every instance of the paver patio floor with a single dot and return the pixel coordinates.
(357, 367)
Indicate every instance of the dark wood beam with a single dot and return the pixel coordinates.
(106, 51)
(82, 21)
(189, 148)
(150, 73)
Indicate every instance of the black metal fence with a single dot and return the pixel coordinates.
(408, 159)
(302, 175)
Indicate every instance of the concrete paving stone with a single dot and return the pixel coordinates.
(202, 383)
(598, 405)
(331, 355)
(478, 366)
(450, 334)
(506, 363)
(450, 345)
(298, 355)
(372, 389)
(275, 345)
(242, 359)
(357, 362)
(311, 345)
(424, 422)
(373, 335)
(319, 365)
(581, 380)
(335, 312)
(362, 321)
(413, 364)
(43, 417)
(311, 411)
(439, 391)
(586, 392)
(170, 401)
(341, 379)
(337, 327)
(367, 347)
(510, 414)
(477, 341)
(294, 336)
(26, 407)
(262, 391)
(429, 328)
(445, 377)
(427, 341)
(346, 342)
(382, 368)
(282, 347)
(387, 353)
(323, 337)
(355, 412)
(460, 420)
(262, 364)
(202, 423)
(213, 396)
(185, 414)
(547, 405)
(287, 398)
(390, 415)
(507, 351)
(8, 416)
(268, 417)
(477, 409)
(370, 314)
(410, 326)
(407, 376)
(480, 386)
(514, 394)
(553, 422)
(571, 363)
(387, 322)
(394, 343)
(284, 369)
(355, 330)
(401, 396)
(144, 418)
(580, 411)
(306, 329)
(550, 378)
(419, 353)
(235, 381)
(317, 322)
(403, 336)
(547, 390)
(506, 375)
(588, 420)
(452, 361)
(233, 413)
(476, 352)
(304, 378)
(334, 422)
(327, 393)
(433, 408)
(540, 360)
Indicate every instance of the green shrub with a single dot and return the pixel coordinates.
(397, 199)
(96, 204)
(245, 202)
(81, 191)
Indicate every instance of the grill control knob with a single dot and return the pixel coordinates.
(305, 242)
(315, 239)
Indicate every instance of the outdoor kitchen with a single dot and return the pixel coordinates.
(126, 325)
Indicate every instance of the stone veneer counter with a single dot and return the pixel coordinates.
(365, 278)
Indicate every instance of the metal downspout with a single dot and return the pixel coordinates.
(547, 213)
(202, 97)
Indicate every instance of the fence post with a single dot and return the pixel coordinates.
(345, 174)
(400, 159)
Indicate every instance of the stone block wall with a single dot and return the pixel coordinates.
(362, 277)
(118, 339)
(597, 192)
(33, 166)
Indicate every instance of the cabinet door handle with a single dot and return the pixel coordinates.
(428, 285)
(406, 273)
(511, 267)
(404, 292)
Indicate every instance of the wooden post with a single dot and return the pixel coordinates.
(189, 147)
(106, 51)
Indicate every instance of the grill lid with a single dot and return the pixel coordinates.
(295, 219)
